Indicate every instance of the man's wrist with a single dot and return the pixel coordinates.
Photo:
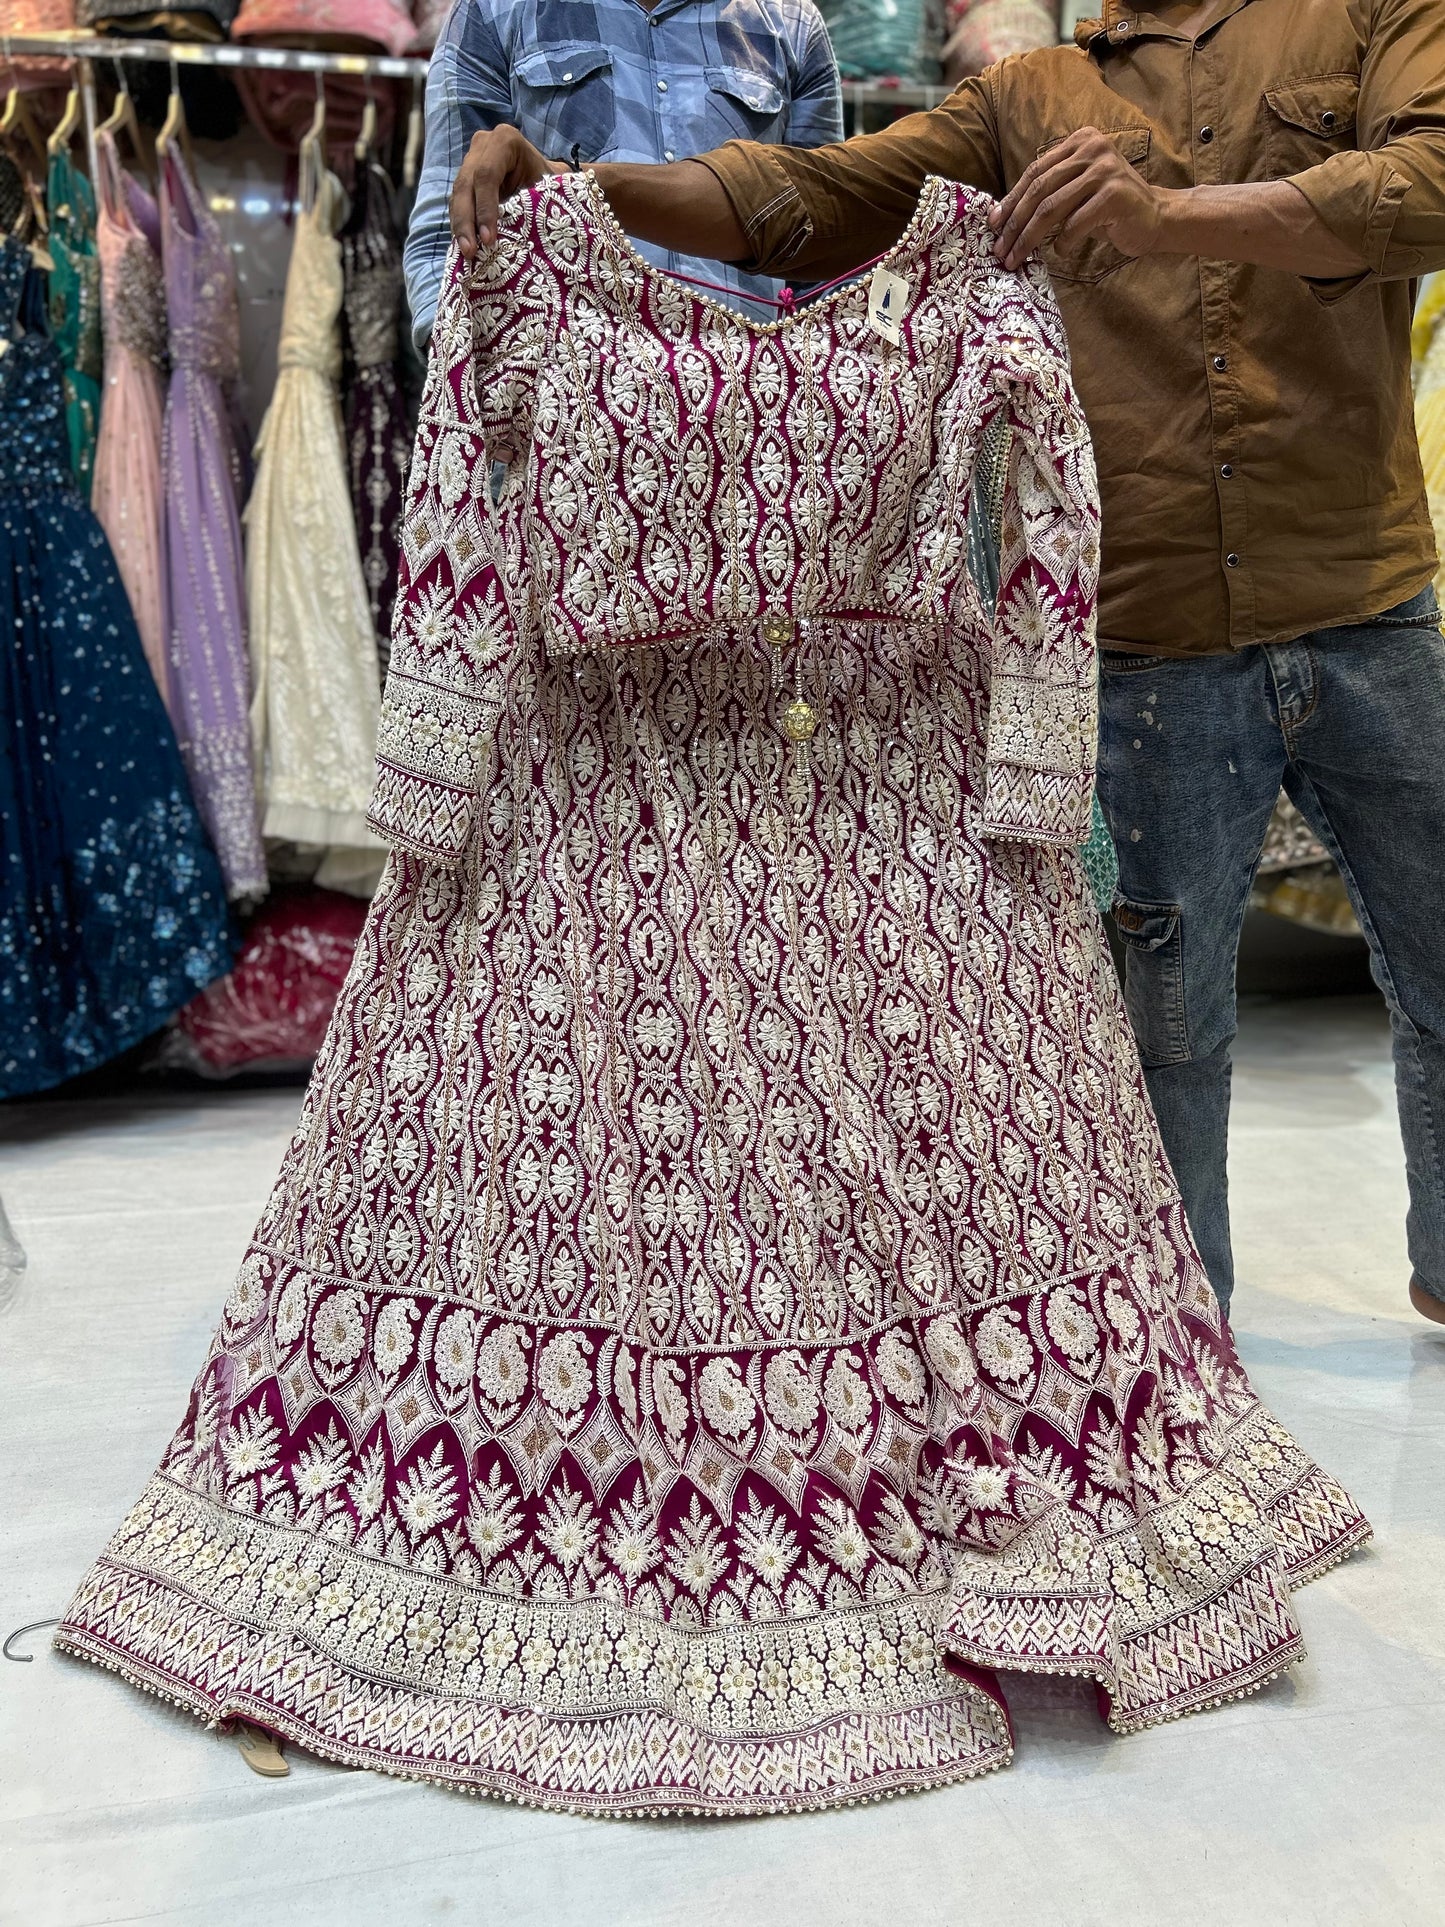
(1175, 209)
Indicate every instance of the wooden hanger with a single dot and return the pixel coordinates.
(122, 117)
(34, 227)
(17, 123)
(65, 127)
(366, 139)
(173, 127)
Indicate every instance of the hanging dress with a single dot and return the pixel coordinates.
(208, 672)
(313, 650)
(725, 1301)
(112, 913)
(75, 305)
(378, 446)
(127, 494)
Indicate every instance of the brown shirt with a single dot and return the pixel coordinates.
(1254, 431)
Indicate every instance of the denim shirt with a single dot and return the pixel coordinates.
(605, 80)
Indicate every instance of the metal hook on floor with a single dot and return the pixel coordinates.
(25, 1659)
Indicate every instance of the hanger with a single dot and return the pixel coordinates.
(366, 140)
(65, 127)
(312, 158)
(17, 123)
(415, 128)
(34, 227)
(122, 117)
(173, 127)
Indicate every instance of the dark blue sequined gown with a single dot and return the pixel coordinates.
(112, 912)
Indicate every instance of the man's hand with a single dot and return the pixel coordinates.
(1083, 186)
(499, 162)
(1080, 187)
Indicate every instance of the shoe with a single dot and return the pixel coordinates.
(1425, 1302)
(262, 1751)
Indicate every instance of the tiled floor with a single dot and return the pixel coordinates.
(1321, 1800)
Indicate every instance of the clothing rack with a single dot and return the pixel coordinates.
(194, 53)
(90, 47)
(85, 49)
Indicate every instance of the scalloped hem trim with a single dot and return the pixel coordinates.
(1239, 1683)
(482, 1783)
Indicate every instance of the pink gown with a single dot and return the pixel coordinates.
(127, 492)
(725, 1303)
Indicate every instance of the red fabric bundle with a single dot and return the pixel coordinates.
(271, 1011)
(352, 23)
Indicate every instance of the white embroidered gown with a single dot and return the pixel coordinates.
(315, 701)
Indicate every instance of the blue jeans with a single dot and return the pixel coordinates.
(1192, 755)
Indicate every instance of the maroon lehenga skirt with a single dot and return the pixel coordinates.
(724, 1301)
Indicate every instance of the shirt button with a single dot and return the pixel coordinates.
(1206, 135)
(1220, 364)
(566, 77)
(1226, 469)
(1231, 561)
(1124, 26)
(1327, 120)
(662, 86)
(669, 155)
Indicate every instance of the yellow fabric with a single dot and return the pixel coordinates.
(1428, 346)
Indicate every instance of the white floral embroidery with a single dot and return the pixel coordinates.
(1003, 1346)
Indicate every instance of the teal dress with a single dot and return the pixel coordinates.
(75, 307)
(112, 909)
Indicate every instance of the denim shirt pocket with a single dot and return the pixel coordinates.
(748, 101)
(565, 100)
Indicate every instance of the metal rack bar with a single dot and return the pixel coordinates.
(194, 53)
(81, 46)
(875, 93)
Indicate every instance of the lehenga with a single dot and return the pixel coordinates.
(127, 494)
(313, 651)
(208, 671)
(725, 1298)
(378, 445)
(112, 913)
(75, 305)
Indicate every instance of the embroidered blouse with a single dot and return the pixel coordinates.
(673, 469)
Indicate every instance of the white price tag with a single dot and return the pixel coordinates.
(887, 304)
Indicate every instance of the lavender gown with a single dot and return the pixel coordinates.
(209, 671)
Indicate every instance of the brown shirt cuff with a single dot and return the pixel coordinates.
(768, 206)
(1358, 197)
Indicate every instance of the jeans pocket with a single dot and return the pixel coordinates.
(1153, 939)
(1122, 662)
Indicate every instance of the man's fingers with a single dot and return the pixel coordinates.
(1047, 184)
(1061, 152)
(461, 213)
(477, 190)
(486, 198)
(1051, 217)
